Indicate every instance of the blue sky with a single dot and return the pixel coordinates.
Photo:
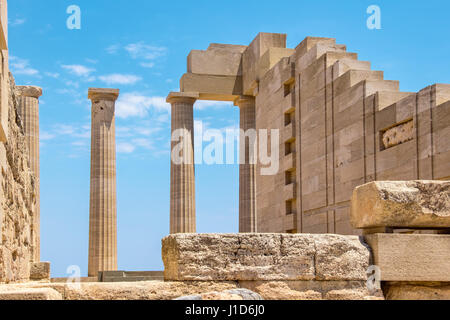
(141, 47)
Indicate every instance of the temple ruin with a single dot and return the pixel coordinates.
(359, 208)
(341, 125)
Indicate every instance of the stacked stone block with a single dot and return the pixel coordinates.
(341, 125)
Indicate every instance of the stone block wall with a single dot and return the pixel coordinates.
(342, 125)
(17, 200)
(276, 266)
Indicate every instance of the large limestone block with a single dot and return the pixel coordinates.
(234, 294)
(144, 290)
(222, 60)
(340, 258)
(30, 294)
(406, 204)
(268, 257)
(411, 257)
(417, 291)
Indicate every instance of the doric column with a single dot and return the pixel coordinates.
(182, 168)
(247, 168)
(103, 210)
(28, 101)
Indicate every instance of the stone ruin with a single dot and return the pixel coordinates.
(340, 124)
(360, 207)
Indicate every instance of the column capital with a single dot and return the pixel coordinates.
(189, 97)
(103, 94)
(243, 101)
(29, 91)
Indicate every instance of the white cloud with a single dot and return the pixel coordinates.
(147, 131)
(78, 70)
(144, 51)
(43, 135)
(147, 64)
(143, 143)
(120, 79)
(72, 130)
(17, 22)
(80, 143)
(22, 67)
(72, 84)
(125, 147)
(164, 118)
(137, 105)
(113, 49)
(64, 129)
(52, 74)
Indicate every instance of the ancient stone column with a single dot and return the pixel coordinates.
(28, 102)
(247, 168)
(103, 210)
(182, 169)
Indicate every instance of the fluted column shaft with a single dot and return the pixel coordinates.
(182, 169)
(103, 208)
(247, 170)
(28, 102)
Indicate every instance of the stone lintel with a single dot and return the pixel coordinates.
(212, 87)
(29, 91)
(182, 97)
(103, 94)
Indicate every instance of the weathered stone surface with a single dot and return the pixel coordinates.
(311, 290)
(40, 271)
(266, 257)
(28, 111)
(152, 290)
(234, 294)
(340, 258)
(18, 200)
(31, 294)
(142, 290)
(398, 134)
(347, 294)
(204, 290)
(281, 291)
(417, 291)
(411, 257)
(28, 91)
(407, 204)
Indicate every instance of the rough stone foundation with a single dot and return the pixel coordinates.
(276, 266)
